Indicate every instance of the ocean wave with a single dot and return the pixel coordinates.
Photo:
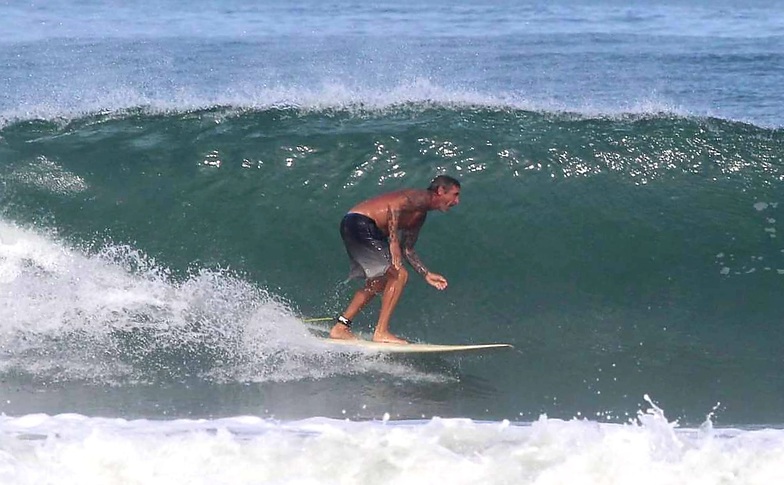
(636, 249)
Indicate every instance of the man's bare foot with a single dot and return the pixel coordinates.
(388, 338)
(341, 332)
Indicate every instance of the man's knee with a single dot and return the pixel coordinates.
(376, 285)
(399, 275)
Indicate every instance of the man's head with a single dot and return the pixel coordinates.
(445, 192)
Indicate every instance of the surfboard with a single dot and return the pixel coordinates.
(415, 348)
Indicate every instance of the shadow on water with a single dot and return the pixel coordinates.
(431, 387)
(436, 386)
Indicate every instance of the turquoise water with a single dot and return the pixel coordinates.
(633, 253)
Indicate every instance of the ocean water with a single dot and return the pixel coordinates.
(172, 177)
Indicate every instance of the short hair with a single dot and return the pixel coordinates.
(444, 181)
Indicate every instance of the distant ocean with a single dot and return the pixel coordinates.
(172, 178)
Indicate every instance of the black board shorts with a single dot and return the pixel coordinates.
(366, 245)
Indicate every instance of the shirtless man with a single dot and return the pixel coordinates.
(378, 233)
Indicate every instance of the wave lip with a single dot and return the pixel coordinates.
(420, 93)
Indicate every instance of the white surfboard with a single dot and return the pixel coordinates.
(369, 346)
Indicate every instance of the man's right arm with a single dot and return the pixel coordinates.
(393, 217)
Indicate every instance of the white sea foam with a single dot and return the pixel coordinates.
(114, 315)
(74, 449)
(47, 175)
(329, 94)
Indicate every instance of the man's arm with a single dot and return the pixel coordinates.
(411, 201)
(410, 237)
(393, 216)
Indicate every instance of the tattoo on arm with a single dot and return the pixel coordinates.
(394, 216)
(411, 202)
(414, 202)
(409, 239)
(415, 262)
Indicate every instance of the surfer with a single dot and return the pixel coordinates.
(378, 234)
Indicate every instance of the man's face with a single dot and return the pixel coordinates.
(448, 198)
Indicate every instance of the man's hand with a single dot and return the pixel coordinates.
(436, 280)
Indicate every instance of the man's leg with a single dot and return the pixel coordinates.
(361, 298)
(395, 282)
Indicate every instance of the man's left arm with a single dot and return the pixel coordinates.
(409, 239)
